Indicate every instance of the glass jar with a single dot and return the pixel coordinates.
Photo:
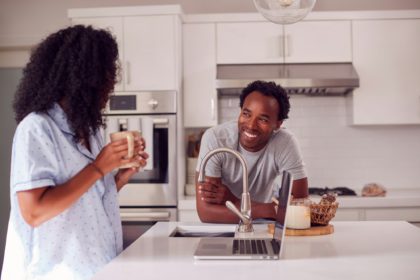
(298, 214)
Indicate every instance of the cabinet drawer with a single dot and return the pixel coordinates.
(410, 214)
(188, 216)
(349, 215)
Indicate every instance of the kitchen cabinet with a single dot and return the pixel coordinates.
(302, 42)
(318, 41)
(151, 52)
(115, 26)
(188, 216)
(149, 47)
(386, 56)
(199, 60)
(249, 42)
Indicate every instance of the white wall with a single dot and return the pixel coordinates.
(339, 154)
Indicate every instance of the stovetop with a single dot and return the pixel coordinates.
(336, 190)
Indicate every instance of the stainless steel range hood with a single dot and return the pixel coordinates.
(314, 79)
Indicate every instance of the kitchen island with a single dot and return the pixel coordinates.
(356, 250)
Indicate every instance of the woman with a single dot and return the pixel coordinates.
(64, 221)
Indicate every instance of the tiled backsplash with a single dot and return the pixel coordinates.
(339, 154)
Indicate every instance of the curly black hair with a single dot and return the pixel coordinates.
(268, 89)
(76, 66)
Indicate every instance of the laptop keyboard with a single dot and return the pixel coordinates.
(249, 247)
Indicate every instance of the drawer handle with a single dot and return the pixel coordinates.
(145, 216)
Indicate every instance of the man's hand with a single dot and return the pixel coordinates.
(214, 192)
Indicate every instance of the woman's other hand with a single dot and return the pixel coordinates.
(123, 175)
(140, 144)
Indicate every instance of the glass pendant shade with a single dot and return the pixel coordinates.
(284, 11)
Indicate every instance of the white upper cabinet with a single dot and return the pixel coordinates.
(386, 56)
(149, 49)
(265, 42)
(318, 41)
(200, 95)
(115, 26)
(249, 42)
(150, 52)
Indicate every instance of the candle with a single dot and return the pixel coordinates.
(298, 217)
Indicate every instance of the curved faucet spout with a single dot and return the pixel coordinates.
(245, 224)
(206, 158)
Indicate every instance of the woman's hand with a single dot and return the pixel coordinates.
(113, 155)
(123, 175)
(140, 144)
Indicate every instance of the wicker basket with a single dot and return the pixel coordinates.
(321, 214)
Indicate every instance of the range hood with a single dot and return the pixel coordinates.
(314, 79)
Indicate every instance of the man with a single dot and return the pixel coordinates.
(266, 148)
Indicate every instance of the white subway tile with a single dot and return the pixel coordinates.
(339, 154)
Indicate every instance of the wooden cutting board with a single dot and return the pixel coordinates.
(314, 230)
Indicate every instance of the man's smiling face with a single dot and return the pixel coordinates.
(257, 121)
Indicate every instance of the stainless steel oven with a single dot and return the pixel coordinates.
(151, 194)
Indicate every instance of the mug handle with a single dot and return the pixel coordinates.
(130, 142)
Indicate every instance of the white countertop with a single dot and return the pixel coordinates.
(393, 198)
(356, 250)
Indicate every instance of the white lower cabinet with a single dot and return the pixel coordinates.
(386, 56)
(188, 216)
(346, 214)
(409, 214)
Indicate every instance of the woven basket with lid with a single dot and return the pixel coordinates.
(321, 214)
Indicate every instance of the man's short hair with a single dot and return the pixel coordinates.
(269, 89)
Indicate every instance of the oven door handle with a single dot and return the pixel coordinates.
(161, 121)
(145, 216)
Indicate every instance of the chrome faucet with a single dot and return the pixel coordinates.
(245, 223)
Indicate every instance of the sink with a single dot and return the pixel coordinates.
(221, 230)
(204, 231)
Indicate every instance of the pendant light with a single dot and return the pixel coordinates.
(284, 11)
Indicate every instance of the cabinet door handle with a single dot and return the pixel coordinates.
(127, 72)
(281, 49)
(213, 113)
(288, 45)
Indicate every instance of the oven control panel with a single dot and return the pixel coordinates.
(157, 102)
(122, 102)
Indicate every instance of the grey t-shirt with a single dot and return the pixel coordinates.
(281, 153)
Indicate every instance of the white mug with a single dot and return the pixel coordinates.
(130, 136)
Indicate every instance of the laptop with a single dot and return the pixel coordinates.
(217, 248)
